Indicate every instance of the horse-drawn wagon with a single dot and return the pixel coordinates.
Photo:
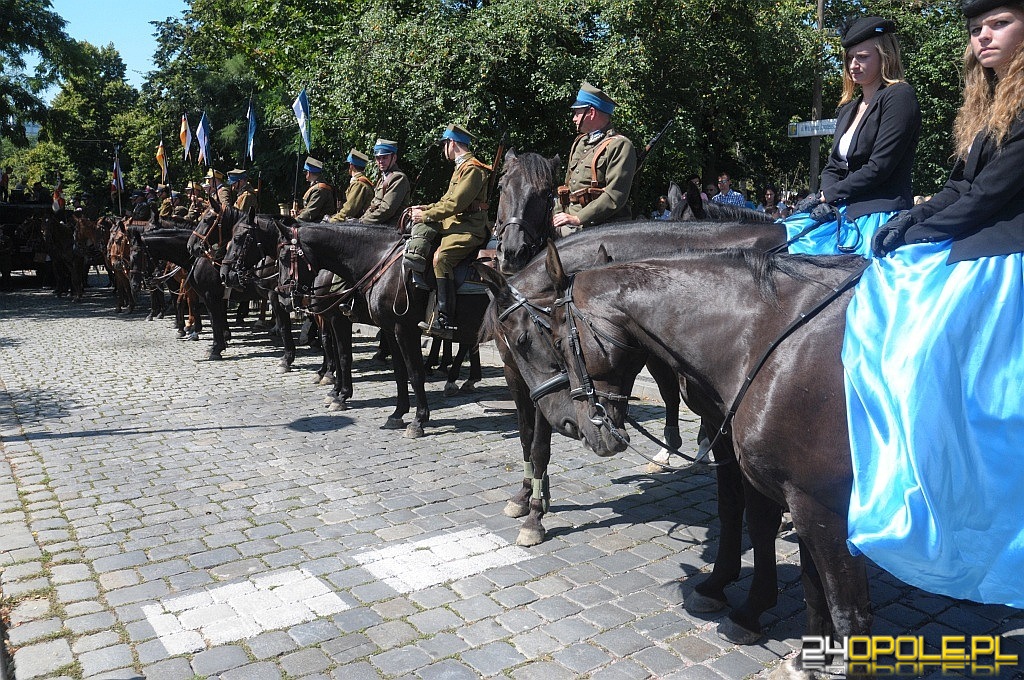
(21, 238)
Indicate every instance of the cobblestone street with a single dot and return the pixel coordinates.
(166, 517)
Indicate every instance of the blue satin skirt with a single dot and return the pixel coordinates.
(852, 238)
(934, 361)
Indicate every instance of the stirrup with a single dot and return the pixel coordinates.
(438, 329)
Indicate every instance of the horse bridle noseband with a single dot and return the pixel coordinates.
(500, 227)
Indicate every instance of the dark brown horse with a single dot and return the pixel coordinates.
(712, 316)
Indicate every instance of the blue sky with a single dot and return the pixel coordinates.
(122, 22)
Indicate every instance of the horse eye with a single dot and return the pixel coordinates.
(523, 340)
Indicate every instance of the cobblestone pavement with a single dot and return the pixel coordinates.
(166, 517)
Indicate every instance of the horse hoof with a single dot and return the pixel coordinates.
(450, 389)
(394, 424)
(695, 603)
(338, 406)
(326, 380)
(730, 631)
(468, 386)
(317, 378)
(283, 368)
(531, 536)
(215, 356)
(514, 510)
(149, 317)
(413, 431)
(653, 468)
(181, 334)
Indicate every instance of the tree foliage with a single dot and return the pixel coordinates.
(730, 73)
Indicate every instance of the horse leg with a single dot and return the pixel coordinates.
(526, 413)
(408, 336)
(476, 373)
(341, 329)
(383, 349)
(432, 360)
(709, 594)
(668, 386)
(764, 516)
(446, 355)
(450, 388)
(532, 531)
(283, 320)
(395, 420)
(326, 356)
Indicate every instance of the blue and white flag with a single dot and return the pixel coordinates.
(251, 115)
(203, 135)
(301, 108)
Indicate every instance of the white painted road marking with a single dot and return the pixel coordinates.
(242, 610)
(421, 564)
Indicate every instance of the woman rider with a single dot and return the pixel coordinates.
(934, 351)
(867, 177)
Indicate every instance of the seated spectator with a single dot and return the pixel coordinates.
(662, 211)
(726, 195)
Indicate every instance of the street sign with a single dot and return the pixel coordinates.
(813, 128)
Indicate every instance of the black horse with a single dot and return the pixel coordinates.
(712, 316)
(370, 257)
(517, 320)
(149, 250)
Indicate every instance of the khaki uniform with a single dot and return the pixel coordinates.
(459, 220)
(357, 198)
(245, 199)
(225, 196)
(196, 210)
(166, 209)
(598, 192)
(180, 211)
(391, 195)
(317, 202)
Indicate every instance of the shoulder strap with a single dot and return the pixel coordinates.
(597, 154)
(323, 186)
(365, 180)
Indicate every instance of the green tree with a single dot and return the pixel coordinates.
(29, 26)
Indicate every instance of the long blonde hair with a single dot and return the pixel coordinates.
(989, 103)
(888, 47)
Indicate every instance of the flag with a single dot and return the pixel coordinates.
(117, 181)
(58, 196)
(185, 136)
(203, 139)
(301, 108)
(161, 160)
(251, 115)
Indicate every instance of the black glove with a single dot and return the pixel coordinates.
(808, 204)
(892, 234)
(823, 212)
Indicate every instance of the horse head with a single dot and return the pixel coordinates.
(244, 251)
(600, 359)
(524, 209)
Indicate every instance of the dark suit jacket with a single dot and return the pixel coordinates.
(881, 156)
(981, 207)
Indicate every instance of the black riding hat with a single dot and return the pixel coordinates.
(973, 8)
(862, 28)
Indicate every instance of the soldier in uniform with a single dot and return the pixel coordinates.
(245, 197)
(318, 201)
(215, 186)
(164, 194)
(360, 189)
(601, 167)
(458, 221)
(140, 210)
(177, 209)
(196, 201)
(391, 192)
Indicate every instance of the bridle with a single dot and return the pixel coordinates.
(520, 221)
(235, 259)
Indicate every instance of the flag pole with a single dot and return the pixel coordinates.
(118, 181)
(245, 137)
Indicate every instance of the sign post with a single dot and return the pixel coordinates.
(813, 128)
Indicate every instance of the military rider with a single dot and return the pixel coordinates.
(196, 201)
(318, 201)
(164, 193)
(245, 197)
(360, 188)
(391, 191)
(601, 167)
(458, 220)
(216, 187)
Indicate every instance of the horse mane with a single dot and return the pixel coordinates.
(719, 212)
(533, 168)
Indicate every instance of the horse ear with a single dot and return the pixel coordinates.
(510, 155)
(252, 214)
(556, 272)
(283, 230)
(602, 256)
(495, 280)
(555, 162)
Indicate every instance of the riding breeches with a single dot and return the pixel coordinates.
(453, 248)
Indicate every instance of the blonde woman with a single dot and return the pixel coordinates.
(867, 178)
(934, 351)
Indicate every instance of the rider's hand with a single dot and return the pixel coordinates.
(808, 204)
(563, 219)
(892, 234)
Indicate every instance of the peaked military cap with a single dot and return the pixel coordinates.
(236, 174)
(591, 96)
(457, 133)
(161, 188)
(973, 8)
(357, 158)
(384, 146)
(313, 165)
(862, 28)
(194, 186)
(211, 173)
